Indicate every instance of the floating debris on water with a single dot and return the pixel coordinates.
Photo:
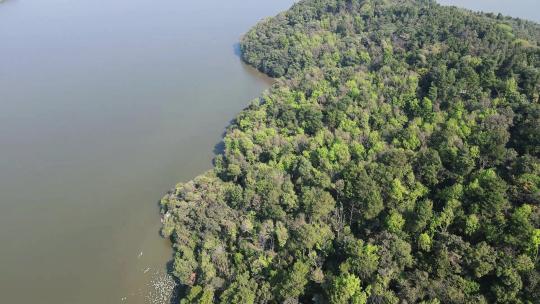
(146, 270)
(162, 289)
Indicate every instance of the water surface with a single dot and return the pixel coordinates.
(526, 9)
(104, 105)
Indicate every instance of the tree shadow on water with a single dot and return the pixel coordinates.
(219, 148)
(237, 50)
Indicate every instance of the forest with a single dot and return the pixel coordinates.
(395, 160)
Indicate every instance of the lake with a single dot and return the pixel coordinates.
(104, 105)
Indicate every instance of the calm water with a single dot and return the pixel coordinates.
(104, 105)
(527, 9)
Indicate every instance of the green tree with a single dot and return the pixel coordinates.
(347, 289)
(294, 281)
(242, 290)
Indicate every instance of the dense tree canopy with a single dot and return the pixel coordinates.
(396, 160)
